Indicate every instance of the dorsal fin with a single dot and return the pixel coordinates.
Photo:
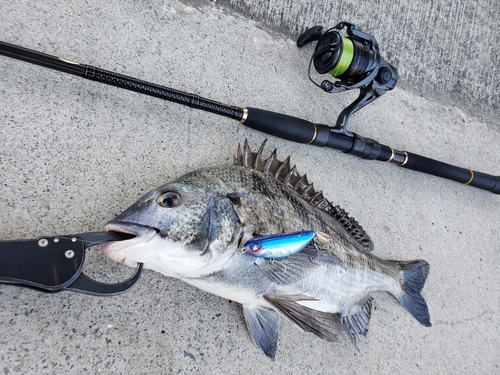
(282, 171)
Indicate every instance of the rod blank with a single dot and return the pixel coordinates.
(277, 124)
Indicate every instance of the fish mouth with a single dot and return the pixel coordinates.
(135, 229)
(122, 251)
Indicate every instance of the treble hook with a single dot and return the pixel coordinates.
(317, 254)
(280, 262)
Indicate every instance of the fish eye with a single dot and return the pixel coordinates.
(169, 199)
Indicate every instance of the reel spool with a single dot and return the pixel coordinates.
(354, 61)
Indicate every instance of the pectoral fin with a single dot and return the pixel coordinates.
(263, 324)
(289, 270)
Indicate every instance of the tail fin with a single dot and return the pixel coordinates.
(413, 275)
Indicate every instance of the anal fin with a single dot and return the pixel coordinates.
(313, 321)
(355, 321)
(263, 324)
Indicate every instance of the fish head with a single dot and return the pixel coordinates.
(180, 228)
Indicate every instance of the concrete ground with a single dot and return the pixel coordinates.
(75, 153)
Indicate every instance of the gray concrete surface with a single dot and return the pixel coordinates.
(75, 153)
(447, 49)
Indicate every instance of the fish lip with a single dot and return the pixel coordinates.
(135, 229)
(119, 250)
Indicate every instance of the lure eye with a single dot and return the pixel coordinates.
(169, 199)
(255, 248)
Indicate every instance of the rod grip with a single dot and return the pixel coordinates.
(451, 172)
(280, 125)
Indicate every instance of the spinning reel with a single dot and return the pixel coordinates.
(355, 61)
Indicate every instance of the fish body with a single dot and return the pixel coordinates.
(194, 227)
(278, 245)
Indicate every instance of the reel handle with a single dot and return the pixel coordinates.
(309, 36)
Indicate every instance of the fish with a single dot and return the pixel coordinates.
(194, 227)
(278, 245)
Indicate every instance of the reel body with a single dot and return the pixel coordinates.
(354, 61)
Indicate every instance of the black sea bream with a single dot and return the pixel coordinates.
(194, 229)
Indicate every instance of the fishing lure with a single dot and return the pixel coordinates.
(278, 245)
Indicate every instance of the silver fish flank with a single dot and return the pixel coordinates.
(194, 228)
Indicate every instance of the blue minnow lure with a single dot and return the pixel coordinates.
(278, 245)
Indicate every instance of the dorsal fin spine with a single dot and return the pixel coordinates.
(247, 155)
(270, 162)
(298, 185)
(305, 192)
(289, 175)
(258, 163)
(282, 169)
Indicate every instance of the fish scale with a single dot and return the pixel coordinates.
(197, 235)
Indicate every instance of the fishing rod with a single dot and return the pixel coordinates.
(353, 60)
